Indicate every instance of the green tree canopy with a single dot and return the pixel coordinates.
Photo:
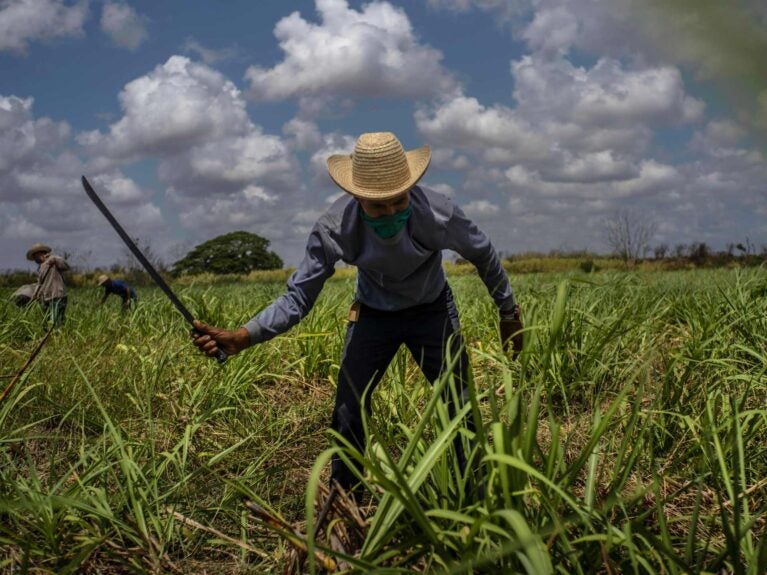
(233, 253)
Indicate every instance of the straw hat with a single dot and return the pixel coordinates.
(379, 168)
(103, 279)
(35, 249)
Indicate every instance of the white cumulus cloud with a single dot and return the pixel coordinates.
(372, 52)
(25, 21)
(480, 209)
(605, 95)
(33, 154)
(497, 132)
(124, 25)
(220, 170)
(41, 198)
(176, 106)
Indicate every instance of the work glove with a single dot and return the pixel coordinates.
(511, 331)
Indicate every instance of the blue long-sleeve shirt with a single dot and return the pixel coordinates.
(392, 274)
(120, 288)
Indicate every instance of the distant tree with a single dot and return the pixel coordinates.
(680, 250)
(629, 234)
(747, 249)
(130, 265)
(78, 260)
(699, 253)
(233, 253)
(660, 251)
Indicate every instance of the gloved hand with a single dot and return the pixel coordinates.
(511, 331)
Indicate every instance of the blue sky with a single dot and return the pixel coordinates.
(546, 117)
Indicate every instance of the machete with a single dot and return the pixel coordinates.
(156, 277)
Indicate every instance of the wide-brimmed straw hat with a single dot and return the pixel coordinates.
(37, 248)
(103, 279)
(379, 168)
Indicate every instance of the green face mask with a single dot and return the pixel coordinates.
(388, 226)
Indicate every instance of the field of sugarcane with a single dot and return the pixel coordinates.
(630, 437)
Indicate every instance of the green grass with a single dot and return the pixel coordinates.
(629, 438)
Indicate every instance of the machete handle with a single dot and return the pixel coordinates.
(221, 356)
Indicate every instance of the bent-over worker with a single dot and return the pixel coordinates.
(120, 288)
(393, 231)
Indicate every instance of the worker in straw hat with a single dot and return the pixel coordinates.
(393, 231)
(120, 288)
(50, 291)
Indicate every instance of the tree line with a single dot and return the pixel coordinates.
(627, 234)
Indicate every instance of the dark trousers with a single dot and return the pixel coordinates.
(370, 345)
(55, 309)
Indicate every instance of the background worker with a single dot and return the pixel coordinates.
(118, 287)
(50, 291)
(394, 232)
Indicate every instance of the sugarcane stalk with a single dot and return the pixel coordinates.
(223, 536)
(294, 537)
